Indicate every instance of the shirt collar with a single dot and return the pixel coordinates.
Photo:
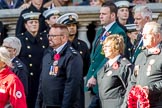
(108, 26)
(60, 47)
(112, 61)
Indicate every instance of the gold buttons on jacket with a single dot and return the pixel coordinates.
(40, 38)
(30, 64)
(92, 69)
(26, 38)
(31, 73)
(43, 46)
(81, 52)
(28, 47)
(29, 55)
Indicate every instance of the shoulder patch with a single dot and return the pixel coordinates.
(18, 94)
(19, 65)
(73, 50)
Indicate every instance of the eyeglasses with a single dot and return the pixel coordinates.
(48, 35)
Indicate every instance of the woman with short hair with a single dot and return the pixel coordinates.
(114, 75)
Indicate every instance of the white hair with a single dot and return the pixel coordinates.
(5, 56)
(144, 10)
(14, 43)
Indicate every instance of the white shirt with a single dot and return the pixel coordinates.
(108, 27)
(112, 61)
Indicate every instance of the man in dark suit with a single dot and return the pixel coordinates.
(61, 75)
(108, 20)
(31, 54)
(36, 6)
(70, 20)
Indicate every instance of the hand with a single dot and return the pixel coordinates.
(91, 82)
(146, 89)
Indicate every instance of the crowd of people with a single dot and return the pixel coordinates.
(45, 65)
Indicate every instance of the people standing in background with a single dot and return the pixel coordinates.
(122, 19)
(91, 32)
(114, 76)
(142, 15)
(31, 54)
(10, 4)
(11, 88)
(61, 74)
(147, 70)
(51, 15)
(108, 21)
(35, 6)
(13, 45)
(57, 3)
(70, 20)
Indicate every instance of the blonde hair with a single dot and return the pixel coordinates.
(117, 43)
(5, 56)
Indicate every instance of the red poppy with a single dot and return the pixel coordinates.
(156, 51)
(115, 66)
(138, 97)
(56, 57)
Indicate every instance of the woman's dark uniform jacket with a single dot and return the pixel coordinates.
(148, 72)
(31, 55)
(20, 69)
(82, 48)
(62, 90)
(20, 28)
(112, 83)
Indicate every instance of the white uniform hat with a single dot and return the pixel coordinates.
(48, 13)
(130, 27)
(122, 4)
(31, 16)
(69, 18)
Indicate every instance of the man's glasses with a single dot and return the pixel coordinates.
(48, 35)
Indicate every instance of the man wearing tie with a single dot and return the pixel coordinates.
(142, 15)
(108, 21)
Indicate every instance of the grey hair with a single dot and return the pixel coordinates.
(156, 28)
(144, 10)
(5, 56)
(13, 42)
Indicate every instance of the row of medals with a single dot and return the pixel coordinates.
(54, 68)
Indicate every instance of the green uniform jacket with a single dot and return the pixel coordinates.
(97, 59)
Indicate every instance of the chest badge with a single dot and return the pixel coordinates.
(109, 73)
(136, 70)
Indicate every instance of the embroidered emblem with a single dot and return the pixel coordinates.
(152, 61)
(109, 73)
(18, 94)
(136, 70)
